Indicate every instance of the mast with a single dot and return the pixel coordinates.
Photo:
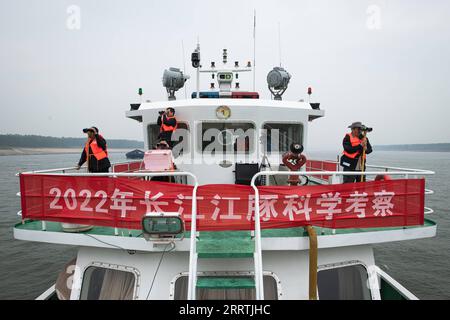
(254, 49)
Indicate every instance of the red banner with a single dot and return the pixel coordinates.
(121, 202)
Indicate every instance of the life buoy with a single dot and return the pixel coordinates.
(383, 177)
(294, 161)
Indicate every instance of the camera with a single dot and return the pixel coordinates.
(161, 113)
(366, 129)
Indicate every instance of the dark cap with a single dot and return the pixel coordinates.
(162, 144)
(356, 125)
(94, 129)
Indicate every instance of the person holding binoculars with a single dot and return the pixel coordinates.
(168, 124)
(356, 147)
(95, 152)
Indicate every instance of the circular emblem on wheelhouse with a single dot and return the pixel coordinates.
(223, 112)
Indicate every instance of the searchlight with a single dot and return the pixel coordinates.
(277, 81)
(173, 80)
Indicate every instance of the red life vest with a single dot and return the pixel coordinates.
(165, 128)
(97, 152)
(355, 141)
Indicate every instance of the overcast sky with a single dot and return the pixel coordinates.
(386, 63)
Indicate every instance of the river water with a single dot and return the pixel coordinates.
(423, 266)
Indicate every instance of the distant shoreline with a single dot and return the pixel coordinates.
(407, 150)
(44, 151)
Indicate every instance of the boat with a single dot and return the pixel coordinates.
(135, 154)
(244, 214)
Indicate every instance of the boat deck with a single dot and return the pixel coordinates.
(272, 239)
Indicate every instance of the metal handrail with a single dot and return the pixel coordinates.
(47, 171)
(401, 289)
(259, 280)
(418, 171)
(258, 261)
(70, 168)
(335, 173)
(192, 260)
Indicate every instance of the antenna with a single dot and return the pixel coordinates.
(184, 68)
(279, 41)
(254, 48)
(196, 64)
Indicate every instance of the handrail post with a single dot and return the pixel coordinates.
(192, 279)
(312, 262)
(259, 283)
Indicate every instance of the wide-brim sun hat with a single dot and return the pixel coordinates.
(85, 130)
(357, 124)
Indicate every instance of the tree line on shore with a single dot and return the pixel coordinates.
(36, 141)
(430, 147)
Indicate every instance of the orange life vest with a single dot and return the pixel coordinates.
(97, 152)
(355, 141)
(165, 128)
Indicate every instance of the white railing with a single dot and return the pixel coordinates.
(193, 244)
(387, 169)
(259, 280)
(334, 175)
(59, 170)
(400, 289)
(131, 174)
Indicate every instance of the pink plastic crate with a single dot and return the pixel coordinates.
(158, 160)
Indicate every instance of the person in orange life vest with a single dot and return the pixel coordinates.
(95, 152)
(354, 144)
(168, 125)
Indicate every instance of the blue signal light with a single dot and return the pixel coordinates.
(206, 95)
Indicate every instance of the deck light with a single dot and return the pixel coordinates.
(162, 225)
(173, 80)
(277, 81)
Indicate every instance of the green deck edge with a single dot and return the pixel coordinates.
(225, 283)
(225, 244)
(33, 225)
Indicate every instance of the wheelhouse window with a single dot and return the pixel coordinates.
(107, 284)
(180, 138)
(270, 290)
(226, 137)
(279, 136)
(343, 283)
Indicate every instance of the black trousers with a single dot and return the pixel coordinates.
(350, 165)
(166, 136)
(101, 170)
